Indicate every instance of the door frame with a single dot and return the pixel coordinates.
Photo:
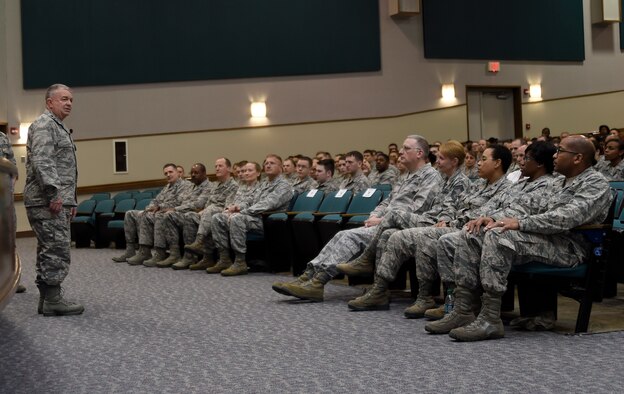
(517, 106)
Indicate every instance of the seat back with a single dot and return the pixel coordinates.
(86, 208)
(125, 205)
(105, 206)
(142, 204)
(153, 191)
(143, 195)
(365, 205)
(122, 196)
(331, 203)
(100, 196)
(618, 202)
(307, 203)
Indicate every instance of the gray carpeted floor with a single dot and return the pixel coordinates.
(159, 330)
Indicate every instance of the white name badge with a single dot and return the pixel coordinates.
(369, 192)
(312, 193)
(341, 193)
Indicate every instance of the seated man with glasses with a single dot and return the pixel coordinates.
(581, 196)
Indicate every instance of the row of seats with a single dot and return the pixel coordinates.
(95, 215)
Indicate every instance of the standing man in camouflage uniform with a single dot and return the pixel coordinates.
(354, 180)
(415, 195)
(581, 196)
(230, 228)
(50, 198)
(196, 225)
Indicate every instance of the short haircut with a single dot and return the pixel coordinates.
(358, 156)
(170, 165)
(386, 157)
(276, 157)
(324, 155)
(583, 146)
(421, 143)
(241, 163)
(499, 152)
(453, 150)
(306, 158)
(201, 166)
(228, 163)
(370, 151)
(328, 164)
(542, 152)
(53, 88)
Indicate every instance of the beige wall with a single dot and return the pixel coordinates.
(575, 115)
(407, 83)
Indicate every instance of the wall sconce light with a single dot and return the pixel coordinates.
(14, 131)
(448, 91)
(535, 91)
(258, 109)
(23, 132)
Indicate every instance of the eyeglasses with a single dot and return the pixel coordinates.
(409, 148)
(528, 158)
(561, 150)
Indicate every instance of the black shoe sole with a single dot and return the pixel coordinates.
(281, 291)
(369, 308)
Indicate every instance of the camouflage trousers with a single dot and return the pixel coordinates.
(485, 259)
(146, 227)
(53, 234)
(131, 225)
(163, 232)
(175, 222)
(205, 223)
(344, 246)
(230, 231)
(390, 223)
(420, 243)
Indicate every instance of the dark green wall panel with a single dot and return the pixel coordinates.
(622, 29)
(110, 42)
(549, 30)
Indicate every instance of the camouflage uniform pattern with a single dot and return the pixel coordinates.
(612, 173)
(302, 185)
(399, 245)
(388, 177)
(329, 186)
(471, 200)
(139, 225)
(415, 195)
(471, 173)
(422, 242)
(193, 223)
(544, 237)
(291, 178)
(166, 229)
(231, 230)
(51, 173)
(6, 150)
(357, 184)
(399, 220)
(521, 200)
